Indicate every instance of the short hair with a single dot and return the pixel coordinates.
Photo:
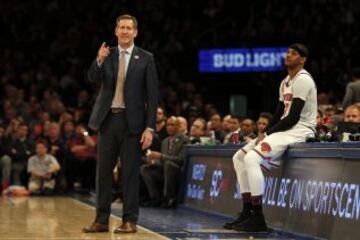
(352, 107)
(266, 115)
(300, 48)
(235, 116)
(128, 17)
(162, 108)
(203, 121)
(43, 142)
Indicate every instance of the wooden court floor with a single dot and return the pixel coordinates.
(57, 218)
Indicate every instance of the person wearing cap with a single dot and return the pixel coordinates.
(294, 121)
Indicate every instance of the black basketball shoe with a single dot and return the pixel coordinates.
(243, 216)
(256, 223)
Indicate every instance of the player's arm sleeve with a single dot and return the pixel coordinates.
(291, 119)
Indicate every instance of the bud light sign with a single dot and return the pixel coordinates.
(242, 60)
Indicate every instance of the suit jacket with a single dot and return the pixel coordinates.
(352, 93)
(140, 89)
(176, 154)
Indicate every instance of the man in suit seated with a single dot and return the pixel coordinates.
(162, 172)
(197, 130)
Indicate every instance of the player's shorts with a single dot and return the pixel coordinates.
(274, 145)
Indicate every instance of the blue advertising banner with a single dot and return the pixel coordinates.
(242, 60)
(316, 190)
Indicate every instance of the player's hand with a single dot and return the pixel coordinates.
(260, 138)
(103, 52)
(146, 139)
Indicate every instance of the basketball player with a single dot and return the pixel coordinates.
(293, 122)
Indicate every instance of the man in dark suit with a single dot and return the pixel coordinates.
(124, 115)
(162, 173)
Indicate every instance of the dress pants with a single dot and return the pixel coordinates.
(115, 141)
(162, 180)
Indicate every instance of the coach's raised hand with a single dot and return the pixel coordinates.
(103, 53)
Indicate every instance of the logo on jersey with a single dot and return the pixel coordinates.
(265, 147)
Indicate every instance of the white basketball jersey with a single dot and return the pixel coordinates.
(300, 86)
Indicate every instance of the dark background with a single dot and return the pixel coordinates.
(42, 41)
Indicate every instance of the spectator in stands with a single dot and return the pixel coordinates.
(9, 115)
(263, 121)
(329, 112)
(352, 114)
(5, 162)
(197, 130)
(323, 101)
(160, 131)
(216, 126)
(64, 117)
(352, 94)
(42, 167)
(68, 131)
(58, 149)
(20, 151)
(225, 124)
(235, 135)
(12, 129)
(163, 171)
(248, 129)
(161, 122)
(183, 125)
(8, 137)
(37, 132)
(81, 161)
(323, 132)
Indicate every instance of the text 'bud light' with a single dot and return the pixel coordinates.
(242, 60)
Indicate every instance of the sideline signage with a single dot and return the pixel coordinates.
(319, 196)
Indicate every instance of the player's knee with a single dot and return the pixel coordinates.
(251, 159)
(238, 157)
